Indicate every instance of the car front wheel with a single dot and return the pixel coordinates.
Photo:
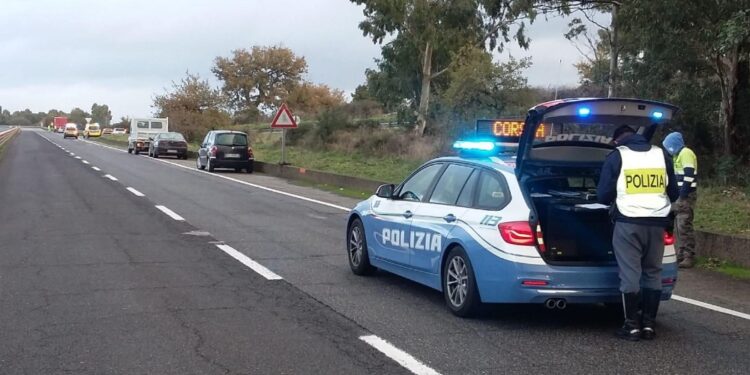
(459, 284)
(359, 260)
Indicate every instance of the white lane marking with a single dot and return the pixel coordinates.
(401, 357)
(78, 157)
(244, 259)
(96, 169)
(135, 192)
(711, 307)
(109, 176)
(72, 154)
(84, 162)
(170, 213)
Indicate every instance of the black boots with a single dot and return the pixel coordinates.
(630, 329)
(651, 299)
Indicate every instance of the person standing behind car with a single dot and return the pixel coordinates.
(638, 180)
(686, 170)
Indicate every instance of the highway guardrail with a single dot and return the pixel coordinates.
(7, 135)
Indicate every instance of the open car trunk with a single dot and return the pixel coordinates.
(575, 228)
(562, 148)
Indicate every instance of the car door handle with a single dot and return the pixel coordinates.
(449, 218)
(408, 214)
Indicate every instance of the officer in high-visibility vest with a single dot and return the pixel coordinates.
(638, 180)
(686, 170)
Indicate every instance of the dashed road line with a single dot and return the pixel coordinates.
(401, 357)
(135, 192)
(244, 259)
(96, 169)
(170, 213)
(109, 176)
(84, 162)
(78, 157)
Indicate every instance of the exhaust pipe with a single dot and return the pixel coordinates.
(550, 303)
(561, 304)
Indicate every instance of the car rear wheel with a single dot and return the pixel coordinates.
(155, 154)
(130, 150)
(209, 165)
(198, 164)
(135, 151)
(250, 167)
(359, 260)
(459, 284)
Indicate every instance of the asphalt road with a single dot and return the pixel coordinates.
(303, 242)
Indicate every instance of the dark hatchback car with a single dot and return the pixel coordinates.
(225, 149)
(172, 144)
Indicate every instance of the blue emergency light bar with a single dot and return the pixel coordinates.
(486, 146)
(584, 111)
(657, 115)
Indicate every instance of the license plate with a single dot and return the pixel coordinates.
(232, 155)
(172, 151)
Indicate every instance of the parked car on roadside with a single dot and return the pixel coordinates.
(119, 131)
(71, 130)
(92, 130)
(225, 149)
(171, 143)
(106, 131)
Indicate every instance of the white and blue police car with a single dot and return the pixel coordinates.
(483, 228)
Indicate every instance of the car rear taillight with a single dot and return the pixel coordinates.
(540, 239)
(250, 154)
(517, 233)
(668, 238)
(213, 150)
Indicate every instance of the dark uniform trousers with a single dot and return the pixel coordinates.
(639, 250)
(683, 226)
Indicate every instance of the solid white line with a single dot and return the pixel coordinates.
(711, 307)
(135, 192)
(109, 176)
(170, 213)
(244, 259)
(96, 168)
(401, 357)
(84, 162)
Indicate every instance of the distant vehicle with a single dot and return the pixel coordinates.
(92, 130)
(172, 143)
(59, 123)
(141, 129)
(106, 131)
(119, 131)
(225, 149)
(71, 130)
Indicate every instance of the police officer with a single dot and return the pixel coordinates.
(686, 171)
(638, 180)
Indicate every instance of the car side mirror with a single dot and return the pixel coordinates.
(385, 191)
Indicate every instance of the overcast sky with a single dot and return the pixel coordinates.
(72, 53)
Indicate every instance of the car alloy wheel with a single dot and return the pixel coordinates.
(456, 282)
(459, 286)
(356, 246)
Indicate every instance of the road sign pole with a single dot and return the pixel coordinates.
(283, 148)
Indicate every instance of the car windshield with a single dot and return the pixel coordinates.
(172, 136)
(231, 139)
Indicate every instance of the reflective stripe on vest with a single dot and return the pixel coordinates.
(642, 184)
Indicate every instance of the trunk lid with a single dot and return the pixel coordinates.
(232, 146)
(577, 133)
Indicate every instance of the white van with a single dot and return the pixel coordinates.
(141, 129)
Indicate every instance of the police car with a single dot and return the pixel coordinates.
(486, 228)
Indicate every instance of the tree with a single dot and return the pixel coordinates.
(193, 107)
(101, 114)
(480, 87)
(312, 99)
(429, 35)
(78, 116)
(260, 78)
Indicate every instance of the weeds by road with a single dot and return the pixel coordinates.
(727, 268)
(723, 210)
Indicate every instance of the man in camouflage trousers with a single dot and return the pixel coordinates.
(686, 171)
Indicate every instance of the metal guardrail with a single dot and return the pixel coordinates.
(7, 135)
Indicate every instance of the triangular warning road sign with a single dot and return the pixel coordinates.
(283, 118)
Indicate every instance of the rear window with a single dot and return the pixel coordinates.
(70, 127)
(594, 130)
(93, 127)
(156, 125)
(231, 139)
(142, 124)
(172, 136)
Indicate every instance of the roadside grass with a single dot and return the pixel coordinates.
(723, 210)
(342, 191)
(724, 267)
